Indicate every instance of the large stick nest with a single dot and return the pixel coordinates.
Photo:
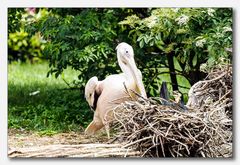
(204, 130)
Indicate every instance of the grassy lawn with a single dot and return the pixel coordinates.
(43, 104)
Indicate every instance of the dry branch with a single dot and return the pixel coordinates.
(81, 150)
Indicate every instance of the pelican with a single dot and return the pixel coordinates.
(103, 96)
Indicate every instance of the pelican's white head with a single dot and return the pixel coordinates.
(125, 52)
(90, 89)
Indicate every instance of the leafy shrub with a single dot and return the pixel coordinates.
(84, 39)
(23, 47)
(172, 42)
(181, 40)
(14, 17)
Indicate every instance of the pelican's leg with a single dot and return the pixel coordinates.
(106, 121)
(107, 128)
(95, 125)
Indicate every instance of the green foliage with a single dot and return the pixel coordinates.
(14, 17)
(83, 45)
(194, 36)
(84, 39)
(54, 108)
(23, 47)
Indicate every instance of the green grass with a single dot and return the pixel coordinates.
(55, 108)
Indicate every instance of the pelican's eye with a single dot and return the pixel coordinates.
(90, 94)
(127, 53)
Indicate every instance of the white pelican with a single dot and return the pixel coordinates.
(103, 96)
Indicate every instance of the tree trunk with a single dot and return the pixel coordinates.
(172, 71)
(195, 76)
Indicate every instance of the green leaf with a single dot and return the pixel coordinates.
(194, 61)
(141, 43)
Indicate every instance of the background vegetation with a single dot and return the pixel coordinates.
(175, 45)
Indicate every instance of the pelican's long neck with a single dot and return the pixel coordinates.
(126, 70)
(131, 71)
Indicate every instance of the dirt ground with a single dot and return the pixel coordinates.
(22, 138)
(22, 143)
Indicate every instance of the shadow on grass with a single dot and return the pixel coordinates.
(42, 106)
